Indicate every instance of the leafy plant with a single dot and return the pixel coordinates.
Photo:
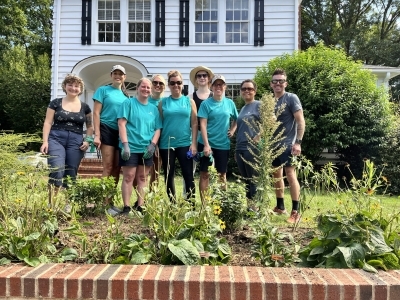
(89, 194)
(272, 247)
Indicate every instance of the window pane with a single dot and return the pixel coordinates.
(102, 15)
(245, 38)
(214, 15)
(206, 15)
(206, 37)
(229, 15)
(102, 5)
(139, 27)
(117, 37)
(237, 4)
(139, 37)
(198, 37)
(147, 37)
(236, 27)
(147, 27)
(214, 38)
(198, 27)
(245, 4)
(198, 16)
(229, 4)
(229, 27)
(102, 37)
(245, 15)
(132, 27)
(206, 27)
(117, 27)
(236, 15)
(102, 26)
(108, 4)
(228, 37)
(214, 4)
(116, 15)
(236, 37)
(109, 37)
(109, 26)
(131, 37)
(245, 27)
(214, 27)
(116, 4)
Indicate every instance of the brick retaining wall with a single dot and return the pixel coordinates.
(72, 281)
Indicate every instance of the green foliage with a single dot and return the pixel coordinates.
(26, 91)
(230, 204)
(342, 105)
(89, 195)
(348, 238)
(271, 246)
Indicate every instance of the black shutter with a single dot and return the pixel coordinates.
(86, 37)
(183, 22)
(259, 23)
(160, 22)
(185, 90)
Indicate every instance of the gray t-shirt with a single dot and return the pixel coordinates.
(247, 122)
(290, 104)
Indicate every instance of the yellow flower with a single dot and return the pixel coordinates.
(207, 198)
(20, 173)
(18, 200)
(339, 202)
(222, 224)
(370, 191)
(217, 210)
(384, 178)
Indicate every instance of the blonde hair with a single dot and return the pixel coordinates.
(72, 78)
(174, 73)
(162, 80)
(140, 82)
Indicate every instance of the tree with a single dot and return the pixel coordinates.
(25, 92)
(342, 105)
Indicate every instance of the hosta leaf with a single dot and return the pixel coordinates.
(352, 253)
(378, 241)
(69, 254)
(32, 236)
(224, 248)
(140, 257)
(184, 251)
(367, 267)
(334, 233)
(317, 250)
(32, 261)
(4, 261)
(52, 249)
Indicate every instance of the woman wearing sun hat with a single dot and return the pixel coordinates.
(107, 101)
(215, 115)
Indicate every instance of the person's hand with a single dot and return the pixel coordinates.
(296, 149)
(193, 149)
(126, 152)
(230, 133)
(157, 152)
(44, 148)
(207, 151)
(97, 141)
(84, 146)
(149, 151)
(256, 138)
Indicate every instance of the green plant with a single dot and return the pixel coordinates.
(89, 194)
(356, 234)
(271, 247)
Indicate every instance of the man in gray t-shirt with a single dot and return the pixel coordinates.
(290, 114)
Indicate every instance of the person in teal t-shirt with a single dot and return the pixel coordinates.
(215, 115)
(139, 128)
(178, 135)
(107, 101)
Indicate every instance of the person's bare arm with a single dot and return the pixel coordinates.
(195, 129)
(301, 127)
(96, 122)
(48, 122)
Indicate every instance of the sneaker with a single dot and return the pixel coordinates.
(113, 211)
(139, 208)
(294, 217)
(126, 210)
(279, 211)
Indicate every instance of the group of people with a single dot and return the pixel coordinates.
(142, 133)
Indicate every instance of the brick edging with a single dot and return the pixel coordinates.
(72, 281)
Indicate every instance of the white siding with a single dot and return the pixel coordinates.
(235, 62)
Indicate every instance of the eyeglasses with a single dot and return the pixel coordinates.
(158, 83)
(245, 89)
(202, 75)
(219, 84)
(275, 81)
(175, 82)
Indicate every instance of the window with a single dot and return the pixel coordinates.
(232, 90)
(222, 21)
(237, 21)
(124, 21)
(206, 21)
(109, 21)
(139, 21)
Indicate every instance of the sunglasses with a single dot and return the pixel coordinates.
(275, 81)
(219, 84)
(158, 83)
(175, 82)
(250, 89)
(202, 75)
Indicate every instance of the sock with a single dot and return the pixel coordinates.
(280, 204)
(295, 205)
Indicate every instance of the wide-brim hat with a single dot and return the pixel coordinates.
(196, 70)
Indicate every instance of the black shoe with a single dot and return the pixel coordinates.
(126, 210)
(139, 208)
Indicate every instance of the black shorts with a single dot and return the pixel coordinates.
(221, 158)
(285, 159)
(109, 136)
(136, 159)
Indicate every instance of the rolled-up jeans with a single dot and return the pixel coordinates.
(64, 156)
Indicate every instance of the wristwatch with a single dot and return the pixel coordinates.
(297, 141)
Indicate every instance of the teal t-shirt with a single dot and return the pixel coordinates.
(218, 115)
(142, 121)
(176, 125)
(111, 98)
(154, 101)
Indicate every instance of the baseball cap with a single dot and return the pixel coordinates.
(216, 77)
(118, 67)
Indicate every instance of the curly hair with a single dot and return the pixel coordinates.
(72, 78)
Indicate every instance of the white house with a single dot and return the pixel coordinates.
(232, 37)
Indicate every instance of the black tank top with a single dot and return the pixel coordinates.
(198, 101)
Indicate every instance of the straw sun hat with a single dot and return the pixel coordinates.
(197, 69)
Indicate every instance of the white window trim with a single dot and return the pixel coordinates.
(124, 24)
(221, 24)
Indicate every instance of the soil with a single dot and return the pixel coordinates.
(240, 240)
